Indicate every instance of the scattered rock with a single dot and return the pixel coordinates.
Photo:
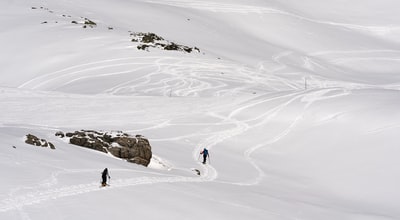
(148, 40)
(89, 23)
(60, 134)
(145, 40)
(33, 140)
(197, 171)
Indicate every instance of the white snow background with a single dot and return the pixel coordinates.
(297, 101)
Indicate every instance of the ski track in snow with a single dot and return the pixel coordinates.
(172, 76)
(165, 67)
(180, 77)
(185, 77)
(46, 190)
(245, 9)
(327, 61)
(259, 120)
(196, 76)
(191, 77)
(308, 98)
(165, 75)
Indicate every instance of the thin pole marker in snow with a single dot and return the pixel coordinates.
(305, 83)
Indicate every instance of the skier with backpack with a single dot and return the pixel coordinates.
(205, 155)
(104, 176)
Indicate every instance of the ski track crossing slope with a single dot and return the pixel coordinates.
(45, 191)
(165, 75)
(244, 9)
(266, 98)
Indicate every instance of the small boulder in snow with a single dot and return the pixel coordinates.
(33, 140)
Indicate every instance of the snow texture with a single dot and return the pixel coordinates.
(297, 102)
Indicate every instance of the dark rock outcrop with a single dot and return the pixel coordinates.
(133, 149)
(60, 134)
(33, 140)
(152, 40)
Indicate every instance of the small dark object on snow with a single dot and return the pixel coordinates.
(197, 171)
(104, 176)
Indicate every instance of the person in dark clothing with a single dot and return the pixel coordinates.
(104, 176)
(205, 155)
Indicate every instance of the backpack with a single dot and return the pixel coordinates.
(205, 152)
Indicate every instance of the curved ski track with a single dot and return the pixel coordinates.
(47, 190)
(184, 77)
(245, 9)
(161, 76)
(190, 77)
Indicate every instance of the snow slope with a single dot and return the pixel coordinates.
(296, 100)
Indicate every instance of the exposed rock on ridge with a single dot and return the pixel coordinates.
(33, 140)
(135, 149)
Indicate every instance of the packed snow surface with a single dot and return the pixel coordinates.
(297, 101)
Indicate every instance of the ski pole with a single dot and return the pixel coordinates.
(109, 177)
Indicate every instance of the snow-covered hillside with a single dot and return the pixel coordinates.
(297, 102)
